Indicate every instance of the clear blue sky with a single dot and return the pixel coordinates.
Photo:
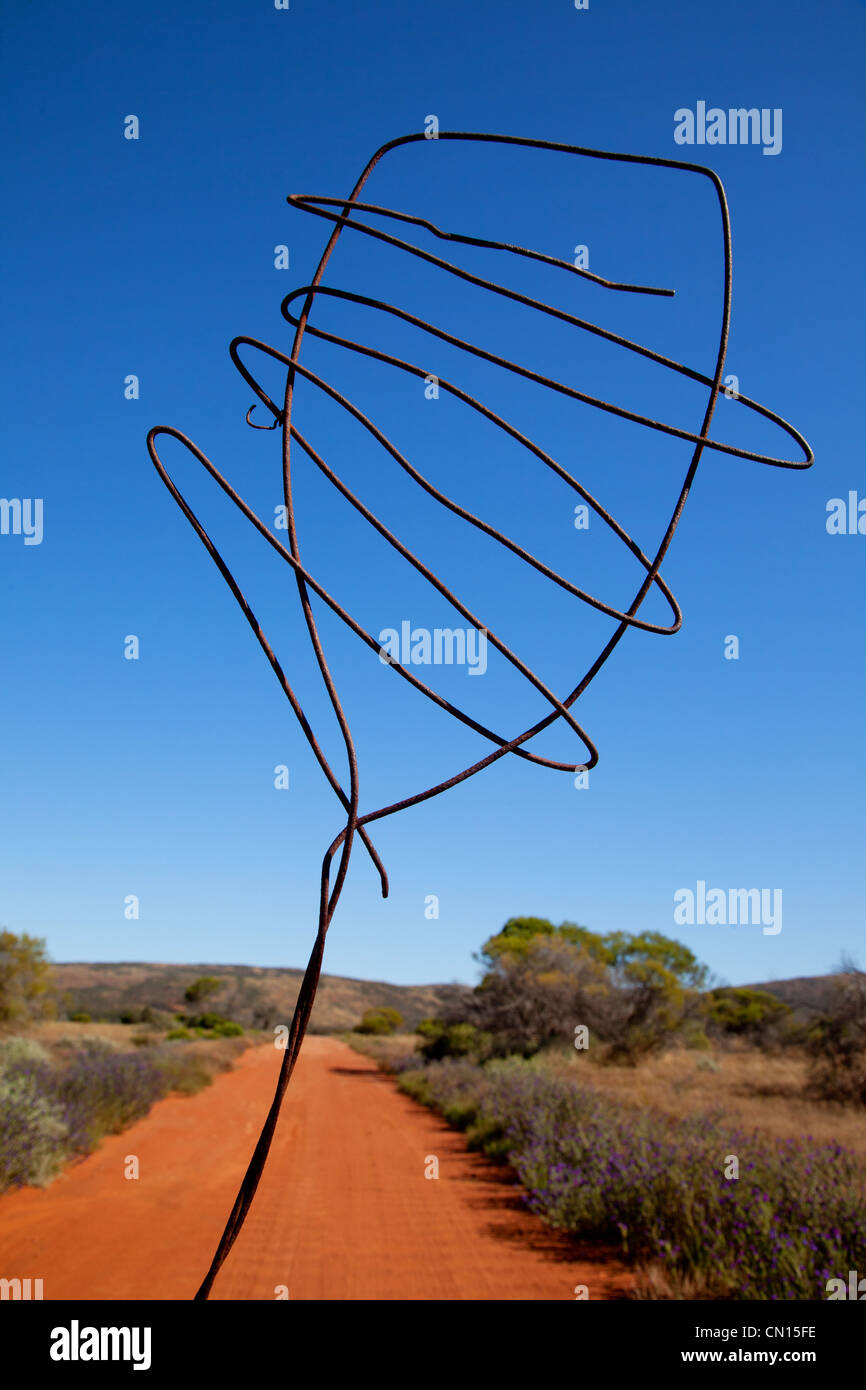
(155, 777)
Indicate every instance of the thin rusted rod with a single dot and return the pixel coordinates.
(306, 582)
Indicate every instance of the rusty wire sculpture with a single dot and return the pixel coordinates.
(340, 211)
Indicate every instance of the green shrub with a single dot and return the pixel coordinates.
(747, 1013)
(453, 1040)
(14, 1050)
(80, 1018)
(106, 1089)
(202, 987)
(185, 1072)
(381, 1021)
(32, 1132)
(182, 1034)
(51, 1110)
(414, 1083)
(211, 1022)
(490, 1135)
(227, 1029)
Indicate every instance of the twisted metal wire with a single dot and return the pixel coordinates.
(342, 213)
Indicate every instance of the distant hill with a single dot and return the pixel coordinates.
(262, 996)
(805, 994)
(255, 996)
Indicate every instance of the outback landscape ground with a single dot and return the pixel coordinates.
(344, 1210)
(437, 1142)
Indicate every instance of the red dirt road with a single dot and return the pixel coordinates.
(343, 1211)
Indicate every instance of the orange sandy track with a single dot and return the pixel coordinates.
(343, 1210)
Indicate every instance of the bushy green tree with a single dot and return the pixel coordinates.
(747, 1013)
(202, 988)
(631, 990)
(26, 984)
(519, 934)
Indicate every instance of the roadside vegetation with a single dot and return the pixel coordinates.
(65, 1084)
(699, 1126)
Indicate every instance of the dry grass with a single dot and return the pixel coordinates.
(387, 1051)
(654, 1283)
(215, 1054)
(55, 1030)
(760, 1091)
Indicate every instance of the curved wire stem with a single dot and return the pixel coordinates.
(342, 213)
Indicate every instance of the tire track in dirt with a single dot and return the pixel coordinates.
(343, 1210)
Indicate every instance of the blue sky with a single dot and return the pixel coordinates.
(156, 777)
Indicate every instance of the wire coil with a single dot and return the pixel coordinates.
(342, 213)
